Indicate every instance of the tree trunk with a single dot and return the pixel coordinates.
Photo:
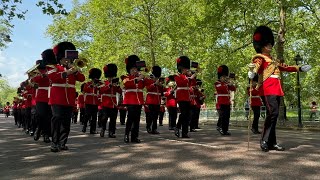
(151, 35)
(280, 55)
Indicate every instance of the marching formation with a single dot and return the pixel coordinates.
(47, 102)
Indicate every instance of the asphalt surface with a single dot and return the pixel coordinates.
(206, 155)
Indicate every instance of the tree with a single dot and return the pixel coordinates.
(10, 10)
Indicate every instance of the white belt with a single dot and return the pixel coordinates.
(133, 90)
(154, 93)
(90, 94)
(275, 76)
(108, 95)
(223, 95)
(255, 96)
(183, 88)
(63, 85)
(44, 88)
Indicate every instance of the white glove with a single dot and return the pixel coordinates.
(305, 68)
(251, 74)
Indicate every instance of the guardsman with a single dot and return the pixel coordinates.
(133, 98)
(269, 70)
(183, 81)
(199, 98)
(223, 88)
(153, 99)
(63, 77)
(108, 92)
(256, 104)
(171, 102)
(91, 99)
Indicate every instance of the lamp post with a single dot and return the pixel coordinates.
(298, 59)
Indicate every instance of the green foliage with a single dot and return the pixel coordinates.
(209, 32)
(6, 92)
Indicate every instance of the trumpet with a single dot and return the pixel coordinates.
(80, 63)
(33, 70)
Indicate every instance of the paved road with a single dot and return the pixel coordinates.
(206, 155)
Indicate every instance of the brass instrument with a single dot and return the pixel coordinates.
(80, 63)
(33, 71)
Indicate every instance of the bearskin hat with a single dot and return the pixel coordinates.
(95, 73)
(48, 57)
(41, 64)
(59, 49)
(110, 70)
(223, 70)
(199, 82)
(131, 62)
(261, 37)
(156, 71)
(183, 62)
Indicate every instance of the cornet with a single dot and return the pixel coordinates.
(80, 63)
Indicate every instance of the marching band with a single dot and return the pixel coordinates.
(48, 100)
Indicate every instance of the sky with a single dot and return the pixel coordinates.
(28, 41)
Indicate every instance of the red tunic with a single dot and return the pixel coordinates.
(41, 93)
(222, 93)
(170, 99)
(81, 101)
(91, 93)
(27, 94)
(62, 90)
(133, 92)
(272, 85)
(108, 95)
(183, 88)
(255, 97)
(154, 92)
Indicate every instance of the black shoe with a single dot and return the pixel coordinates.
(126, 138)
(93, 132)
(149, 130)
(102, 133)
(46, 139)
(171, 128)
(111, 135)
(54, 148)
(225, 133)
(123, 124)
(185, 136)
(135, 140)
(220, 131)
(160, 124)
(197, 128)
(177, 132)
(63, 147)
(254, 131)
(155, 132)
(37, 135)
(31, 133)
(264, 146)
(277, 148)
(27, 132)
(193, 130)
(84, 129)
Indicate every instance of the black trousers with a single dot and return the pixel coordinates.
(173, 113)
(75, 117)
(60, 123)
(15, 115)
(91, 115)
(19, 118)
(184, 117)
(100, 114)
(82, 115)
(195, 113)
(34, 119)
(269, 130)
(133, 120)
(161, 115)
(256, 116)
(111, 114)
(27, 118)
(224, 117)
(123, 114)
(152, 120)
(44, 114)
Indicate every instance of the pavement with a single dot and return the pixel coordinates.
(206, 155)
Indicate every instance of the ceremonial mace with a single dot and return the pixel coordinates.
(251, 67)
